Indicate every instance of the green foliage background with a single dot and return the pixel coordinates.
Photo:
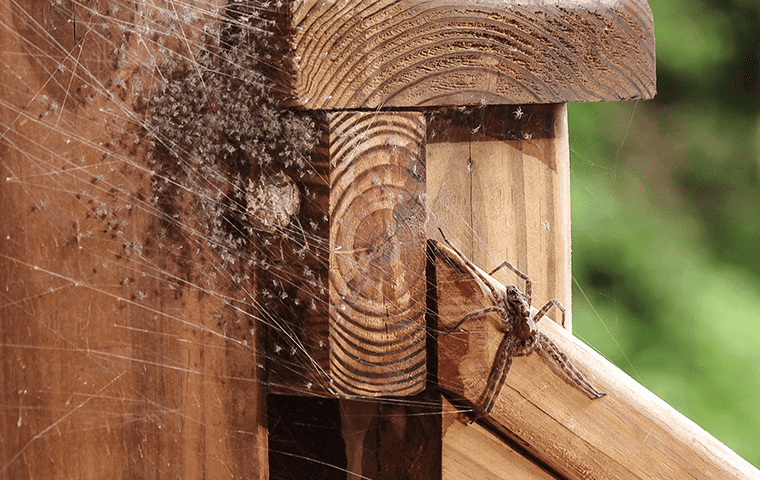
(666, 221)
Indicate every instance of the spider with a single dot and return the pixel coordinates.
(520, 335)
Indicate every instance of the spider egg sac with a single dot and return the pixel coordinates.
(271, 201)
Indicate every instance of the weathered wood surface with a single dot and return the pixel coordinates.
(377, 253)
(496, 178)
(472, 451)
(122, 357)
(630, 433)
(355, 54)
(499, 185)
(297, 341)
(358, 327)
(119, 358)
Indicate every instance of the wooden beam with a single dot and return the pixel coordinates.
(630, 433)
(499, 185)
(472, 451)
(359, 326)
(377, 253)
(356, 54)
(121, 358)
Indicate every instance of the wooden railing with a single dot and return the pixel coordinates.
(126, 356)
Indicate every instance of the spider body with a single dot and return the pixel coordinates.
(520, 335)
(518, 309)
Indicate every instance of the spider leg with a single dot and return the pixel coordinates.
(498, 375)
(545, 309)
(558, 361)
(528, 281)
(478, 314)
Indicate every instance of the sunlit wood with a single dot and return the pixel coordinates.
(499, 186)
(356, 54)
(377, 253)
(470, 450)
(630, 433)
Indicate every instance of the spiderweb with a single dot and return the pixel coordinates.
(151, 226)
(152, 229)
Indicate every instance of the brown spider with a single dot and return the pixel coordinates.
(520, 335)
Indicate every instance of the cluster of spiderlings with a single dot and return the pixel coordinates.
(216, 125)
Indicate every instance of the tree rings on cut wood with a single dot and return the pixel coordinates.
(377, 253)
(354, 54)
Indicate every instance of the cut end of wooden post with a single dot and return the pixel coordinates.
(377, 253)
(354, 54)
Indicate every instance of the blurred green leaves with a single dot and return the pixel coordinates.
(666, 221)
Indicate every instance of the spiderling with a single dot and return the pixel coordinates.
(216, 128)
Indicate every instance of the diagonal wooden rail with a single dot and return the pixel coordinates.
(630, 433)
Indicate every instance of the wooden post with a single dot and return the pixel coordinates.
(125, 340)
(373, 290)
(119, 358)
(499, 185)
(499, 174)
(377, 253)
(492, 80)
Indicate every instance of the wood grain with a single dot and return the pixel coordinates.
(119, 360)
(354, 54)
(377, 253)
(630, 433)
(298, 341)
(499, 187)
(471, 450)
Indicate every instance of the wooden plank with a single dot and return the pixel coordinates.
(377, 253)
(630, 433)
(122, 358)
(498, 184)
(295, 279)
(355, 54)
(472, 451)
